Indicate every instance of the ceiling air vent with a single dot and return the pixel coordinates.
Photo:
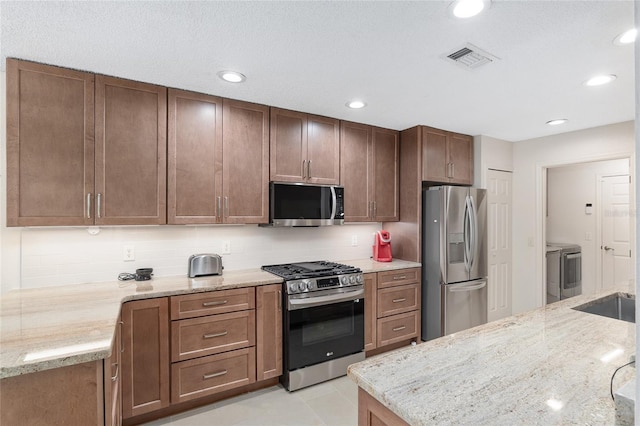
(470, 56)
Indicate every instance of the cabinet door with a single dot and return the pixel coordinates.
(112, 382)
(385, 153)
(145, 356)
(323, 150)
(288, 146)
(50, 145)
(194, 162)
(131, 151)
(435, 159)
(269, 331)
(355, 171)
(370, 311)
(461, 158)
(245, 162)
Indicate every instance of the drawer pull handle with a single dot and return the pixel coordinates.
(399, 328)
(400, 277)
(399, 300)
(216, 303)
(212, 375)
(211, 336)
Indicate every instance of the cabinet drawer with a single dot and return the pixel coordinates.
(212, 374)
(196, 337)
(215, 302)
(399, 277)
(398, 327)
(396, 300)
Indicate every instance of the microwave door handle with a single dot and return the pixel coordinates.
(335, 201)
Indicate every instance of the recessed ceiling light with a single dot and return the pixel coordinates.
(557, 121)
(600, 80)
(467, 8)
(232, 76)
(356, 104)
(626, 37)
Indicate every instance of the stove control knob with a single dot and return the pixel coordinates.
(359, 279)
(293, 288)
(352, 279)
(304, 285)
(344, 280)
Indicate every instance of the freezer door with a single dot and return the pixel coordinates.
(455, 230)
(464, 305)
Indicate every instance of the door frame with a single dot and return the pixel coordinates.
(541, 209)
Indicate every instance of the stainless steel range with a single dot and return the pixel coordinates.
(323, 321)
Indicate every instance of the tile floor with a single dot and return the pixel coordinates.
(332, 403)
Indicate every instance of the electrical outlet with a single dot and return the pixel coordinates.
(226, 247)
(354, 241)
(128, 253)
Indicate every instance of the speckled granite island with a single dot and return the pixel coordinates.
(552, 365)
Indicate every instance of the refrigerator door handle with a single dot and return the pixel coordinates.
(474, 231)
(460, 289)
(467, 234)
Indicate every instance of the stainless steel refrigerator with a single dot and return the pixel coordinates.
(454, 260)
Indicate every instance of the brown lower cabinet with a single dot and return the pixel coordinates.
(69, 395)
(221, 342)
(268, 331)
(145, 356)
(372, 413)
(392, 309)
(113, 383)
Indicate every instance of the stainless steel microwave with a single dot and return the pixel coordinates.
(298, 204)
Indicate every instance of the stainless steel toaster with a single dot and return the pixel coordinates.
(204, 264)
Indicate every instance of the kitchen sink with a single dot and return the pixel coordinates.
(619, 306)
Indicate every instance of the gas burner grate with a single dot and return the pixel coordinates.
(301, 270)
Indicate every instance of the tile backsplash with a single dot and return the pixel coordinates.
(60, 256)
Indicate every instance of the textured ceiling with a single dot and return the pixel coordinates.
(315, 56)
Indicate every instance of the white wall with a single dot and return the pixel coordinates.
(569, 188)
(41, 257)
(529, 160)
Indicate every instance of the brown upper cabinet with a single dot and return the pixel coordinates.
(50, 145)
(304, 148)
(64, 168)
(218, 160)
(131, 152)
(447, 157)
(369, 172)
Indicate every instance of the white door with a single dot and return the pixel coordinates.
(616, 233)
(499, 244)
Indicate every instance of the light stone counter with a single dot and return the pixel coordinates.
(370, 265)
(53, 327)
(57, 326)
(552, 365)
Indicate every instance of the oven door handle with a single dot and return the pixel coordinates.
(325, 300)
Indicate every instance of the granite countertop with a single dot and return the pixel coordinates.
(53, 327)
(552, 365)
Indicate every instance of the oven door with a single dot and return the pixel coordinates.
(323, 331)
